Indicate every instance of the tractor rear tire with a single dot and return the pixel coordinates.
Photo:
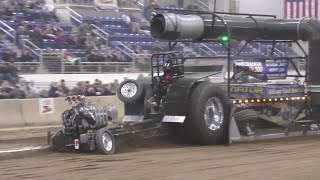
(208, 118)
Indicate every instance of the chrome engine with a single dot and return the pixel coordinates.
(86, 116)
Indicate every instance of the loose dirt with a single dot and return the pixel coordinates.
(293, 158)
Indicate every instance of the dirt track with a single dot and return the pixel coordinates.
(297, 158)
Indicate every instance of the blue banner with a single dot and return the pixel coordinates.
(262, 69)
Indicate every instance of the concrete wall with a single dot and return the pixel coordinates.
(26, 112)
(43, 80)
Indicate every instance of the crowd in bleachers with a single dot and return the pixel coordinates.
(128, 40)
(28, 89)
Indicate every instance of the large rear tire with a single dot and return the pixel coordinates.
(208, 118)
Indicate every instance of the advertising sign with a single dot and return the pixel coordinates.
(262, 69)
(46, 106)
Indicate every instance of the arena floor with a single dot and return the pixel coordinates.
(294, 158)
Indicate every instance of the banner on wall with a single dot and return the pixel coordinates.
(46, 106)
(262, 69)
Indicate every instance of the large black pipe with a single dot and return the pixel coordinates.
(170, 26)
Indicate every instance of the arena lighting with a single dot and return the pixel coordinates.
(247, 101)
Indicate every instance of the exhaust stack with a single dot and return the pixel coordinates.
(170, 26)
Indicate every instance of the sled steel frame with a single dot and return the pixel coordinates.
(230, 57)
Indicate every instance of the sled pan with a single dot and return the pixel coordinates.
(235, 136)
(275, 120)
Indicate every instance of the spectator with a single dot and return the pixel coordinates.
(60, 40)
(3, 71)
(80, 89)
(19, 93)
(12, 73)
(32, 90)
(26, 56)
(84, 30)
(54, 91)
(98, 87)
(93, 57)
(115, 85)
(6, 90)
(91, 91)
(139, 50)
(118, 57)
(9, 55)
(64, 89)
(108, 91)
(71, 41)
(149, 10)
(48, 12)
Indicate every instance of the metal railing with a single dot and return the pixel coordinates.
(7, 29)
(32, 47)
(101, 33)
(276, 50)
(203, 5)
(206, 53)
(71, 68)
(126, 53)
(209, 49)
(98, 67)
(124, 46)
(74, 15)
(54, 63)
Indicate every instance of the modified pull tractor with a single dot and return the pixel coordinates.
(85, 127)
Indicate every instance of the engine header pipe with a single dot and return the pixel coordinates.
(171, 26)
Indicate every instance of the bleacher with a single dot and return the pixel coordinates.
(121, 38)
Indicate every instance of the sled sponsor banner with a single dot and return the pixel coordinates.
(263, 69)
(265, 91)
(281, 113)
(46, 106)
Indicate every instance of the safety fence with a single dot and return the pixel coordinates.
(54, 63)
